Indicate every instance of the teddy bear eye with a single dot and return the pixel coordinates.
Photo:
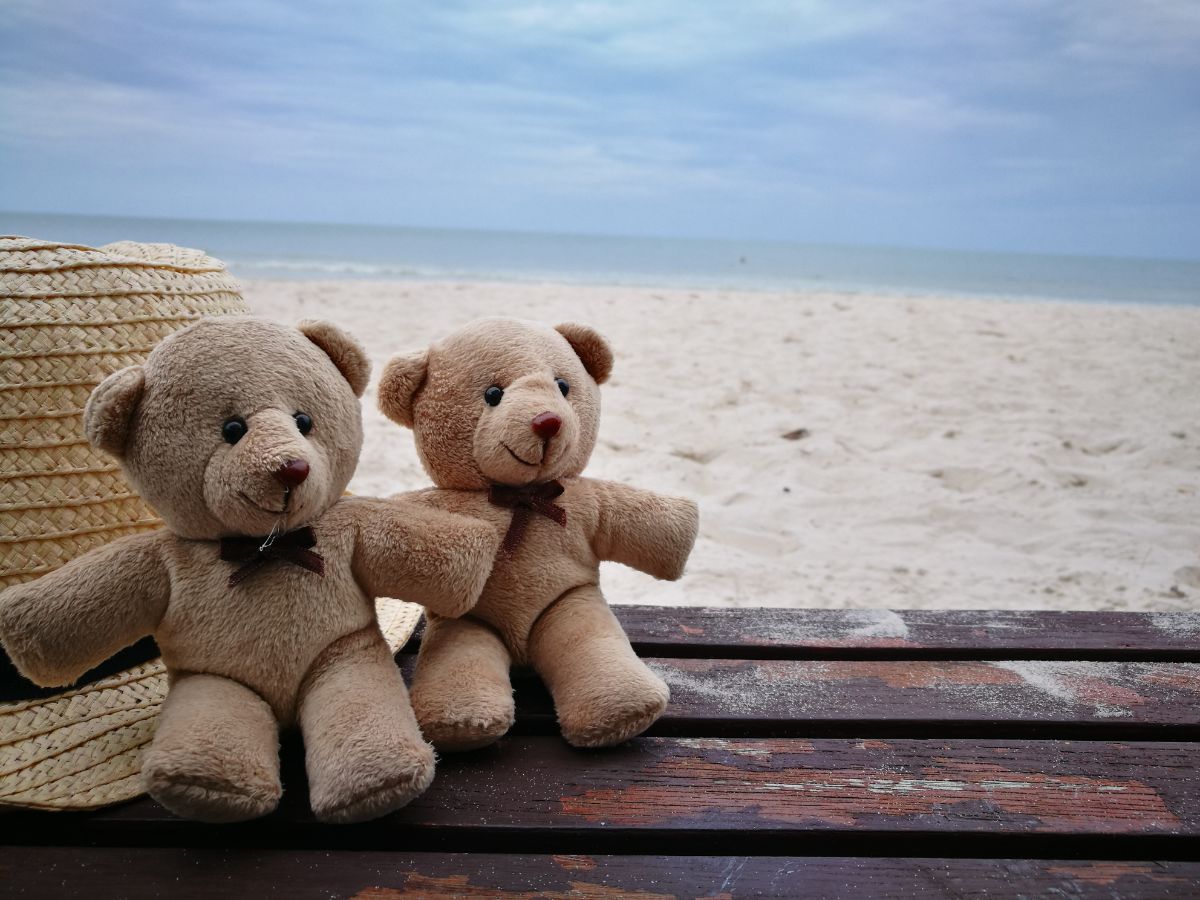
(303, 422)
(563, 386)
(493, 395)
(233, 429)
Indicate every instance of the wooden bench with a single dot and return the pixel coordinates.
(805, 753)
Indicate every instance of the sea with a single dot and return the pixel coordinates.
(325, 251)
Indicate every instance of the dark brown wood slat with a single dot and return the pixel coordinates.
(748, 796)
(748, 698)
(910, 634)
(120, 872)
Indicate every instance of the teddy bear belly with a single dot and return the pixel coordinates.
(517, 594)
(267, 633)
(549, 561)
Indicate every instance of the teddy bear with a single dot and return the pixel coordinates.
(505, 415)
(243, 435)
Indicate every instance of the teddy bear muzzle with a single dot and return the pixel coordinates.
(274, 476)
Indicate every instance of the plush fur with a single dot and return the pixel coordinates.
(543, 607)
(285, 645)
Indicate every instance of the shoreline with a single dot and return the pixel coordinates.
(858, 450)
(848, 292)
(329, 251)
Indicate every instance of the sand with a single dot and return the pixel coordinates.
(853, 450)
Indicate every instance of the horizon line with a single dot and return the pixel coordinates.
(920, 248)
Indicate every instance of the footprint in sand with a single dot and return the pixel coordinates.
(962, 479)
(1189, 575)
(1070, 479)
(703, 457)
(1103, 448)
(755, 542)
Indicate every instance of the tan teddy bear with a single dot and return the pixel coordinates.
(243, 435)
(505, 415)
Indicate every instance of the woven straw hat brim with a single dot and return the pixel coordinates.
(82, 749)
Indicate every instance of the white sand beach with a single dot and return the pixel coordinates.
(852, 450)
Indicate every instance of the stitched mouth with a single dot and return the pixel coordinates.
(532, 465)
(266, 509)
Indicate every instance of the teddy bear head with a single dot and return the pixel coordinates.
(236, 425)
(501, 401)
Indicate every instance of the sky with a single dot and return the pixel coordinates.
(1061, 126)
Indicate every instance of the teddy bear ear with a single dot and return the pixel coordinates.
(591, 347)
(347, 353)
(402, 378)
(108, 414)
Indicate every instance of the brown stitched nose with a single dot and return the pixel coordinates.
(292, 473)
(546, 425)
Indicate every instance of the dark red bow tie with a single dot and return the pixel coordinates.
(292, 546)
(524, 501)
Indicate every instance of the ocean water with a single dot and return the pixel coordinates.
(316, 251)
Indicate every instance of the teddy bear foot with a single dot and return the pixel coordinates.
(378, 790)
(209, 799)
(215, 755)
(615, 725)
(470, 734)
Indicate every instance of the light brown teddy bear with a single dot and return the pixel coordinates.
(243, 435)
(505, 414)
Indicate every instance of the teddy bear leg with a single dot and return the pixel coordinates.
(363, 751)
(215, 754)
(462, 694)
(603, 693)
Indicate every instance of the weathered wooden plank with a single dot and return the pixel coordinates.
(726, 697)
(121, 872)
(907, 634)
(770, 632)
(749, 796)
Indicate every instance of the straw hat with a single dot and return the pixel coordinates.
(69, 316)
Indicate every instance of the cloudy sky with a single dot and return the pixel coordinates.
(1046, 125)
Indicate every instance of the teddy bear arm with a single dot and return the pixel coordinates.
(649, 532)
(58, 626)
(438, 559)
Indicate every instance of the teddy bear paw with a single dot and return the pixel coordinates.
(375, 789)
(457, 735)
(608, 724)
(209, 796)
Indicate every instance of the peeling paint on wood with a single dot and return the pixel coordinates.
(988, 692)
(1106, 873)
(848, 797)
(123, 872)
(1183, 679)
(653, 630)
(459, 886)
(575, 863)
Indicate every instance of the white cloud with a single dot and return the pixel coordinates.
(665, 107)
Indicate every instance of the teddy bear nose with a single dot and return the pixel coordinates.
(292, 473)
(546, 425)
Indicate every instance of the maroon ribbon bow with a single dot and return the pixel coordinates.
(524, 501)
(292, 546)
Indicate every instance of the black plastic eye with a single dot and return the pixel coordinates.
(303, 422)
(493, 395)
(234, 429)
(563, 386)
